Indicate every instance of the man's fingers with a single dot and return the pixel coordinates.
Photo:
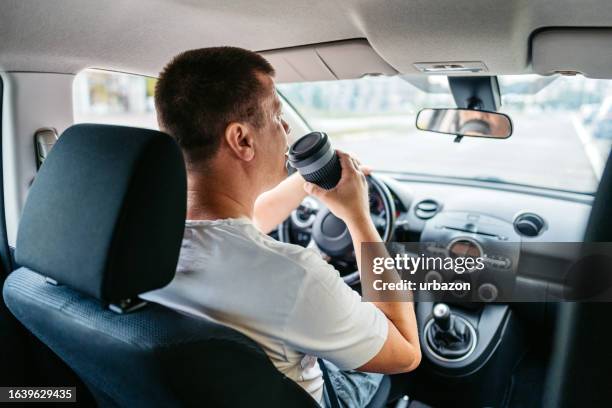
(343, 156)
(365, 169)
(346, 162)
(347, 159)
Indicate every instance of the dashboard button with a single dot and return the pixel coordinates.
(433, 276)
(487, 292)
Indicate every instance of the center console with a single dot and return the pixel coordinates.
(469, 353)
(470, 345)
(465, 234)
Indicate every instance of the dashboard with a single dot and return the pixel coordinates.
(521, 231)
(529, 236)
(525, 236)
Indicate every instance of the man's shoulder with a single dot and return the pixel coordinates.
(244, 240)
(302, 257)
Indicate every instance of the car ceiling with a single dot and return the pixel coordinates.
(140, 36)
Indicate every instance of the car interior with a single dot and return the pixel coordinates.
(484, 122)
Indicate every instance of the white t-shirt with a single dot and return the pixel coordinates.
(285, 297)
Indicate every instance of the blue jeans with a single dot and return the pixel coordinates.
(354, 389)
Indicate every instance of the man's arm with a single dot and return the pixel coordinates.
(274, 206)
(402, 345)
(401, 351)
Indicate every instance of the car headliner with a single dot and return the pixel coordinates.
(140, 36)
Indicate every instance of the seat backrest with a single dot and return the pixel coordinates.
(578, 374)
(104, 222)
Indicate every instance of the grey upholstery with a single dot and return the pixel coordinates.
(104, 222)
(104, 219)
(105, 214)
(154, 357)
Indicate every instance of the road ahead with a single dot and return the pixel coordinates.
(545, 149)
(544, 152)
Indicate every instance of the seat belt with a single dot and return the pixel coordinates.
(331, 392)
(44, 140)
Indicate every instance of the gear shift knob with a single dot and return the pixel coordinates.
(442, 316)
(449, 335)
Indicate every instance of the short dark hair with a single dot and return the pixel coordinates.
(201, 91)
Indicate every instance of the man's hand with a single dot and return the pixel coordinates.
(349, 199)
(274, 206)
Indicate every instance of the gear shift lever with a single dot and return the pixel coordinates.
(442, 316)
(448, 336)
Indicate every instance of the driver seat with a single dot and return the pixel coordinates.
(104, 222)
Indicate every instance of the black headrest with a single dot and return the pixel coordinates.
(599, 228)
(106, 212)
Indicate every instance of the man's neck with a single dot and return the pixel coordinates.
(210, 200)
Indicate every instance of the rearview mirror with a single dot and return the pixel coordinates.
(465, 122)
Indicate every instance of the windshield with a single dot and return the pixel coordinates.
(561, 139)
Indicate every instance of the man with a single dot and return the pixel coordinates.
(221, 106)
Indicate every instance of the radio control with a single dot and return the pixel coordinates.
(498, 262)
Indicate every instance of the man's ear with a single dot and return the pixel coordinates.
(240, 140)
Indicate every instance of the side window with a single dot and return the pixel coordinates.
(114, 98)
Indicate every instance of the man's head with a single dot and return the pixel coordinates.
(221, 106)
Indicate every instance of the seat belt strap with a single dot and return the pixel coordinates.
(331, 392)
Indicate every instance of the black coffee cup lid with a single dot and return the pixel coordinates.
(307, 146)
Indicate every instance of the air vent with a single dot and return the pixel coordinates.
(529, 224)
(426, 209)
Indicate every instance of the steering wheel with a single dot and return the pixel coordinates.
(313, 225)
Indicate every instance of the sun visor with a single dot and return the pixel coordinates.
(320, 62)
(573, 50)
